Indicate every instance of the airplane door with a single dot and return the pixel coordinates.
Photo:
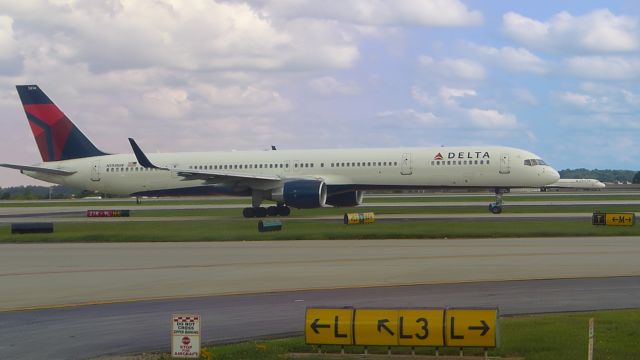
(95, 171)
(287, 165)
(505, 168)
(405, 164)
(296, 165)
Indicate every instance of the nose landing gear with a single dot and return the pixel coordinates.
(496, 207)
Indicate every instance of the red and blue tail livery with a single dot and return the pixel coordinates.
(57, 137)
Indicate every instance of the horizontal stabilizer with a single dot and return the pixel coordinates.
(39, 169)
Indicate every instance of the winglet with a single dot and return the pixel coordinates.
(142, 158)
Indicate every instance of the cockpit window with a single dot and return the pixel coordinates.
(534, 162)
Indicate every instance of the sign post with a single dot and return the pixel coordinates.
(185, 336)
(591, 333)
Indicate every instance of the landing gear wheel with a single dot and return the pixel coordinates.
(495, 209)
(284, 210)
(272, 211)
(261, 212)
(248, 212)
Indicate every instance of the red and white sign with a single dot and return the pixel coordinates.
(185, 336)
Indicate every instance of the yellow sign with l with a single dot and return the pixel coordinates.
(324, 326)
(471, 327)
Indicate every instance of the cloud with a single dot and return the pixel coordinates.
(580, 100)
(599, 106)
(604, 67)
(599, 31)
(412, 118)
(328, 85)
(379, 12)
(599, 99)
(525, 96)
(445, 108)
(8, 44)
(250, 99)
(492, 119)
(194, 36)
(514, 59)
(453, 68)
(166, 102)
(449, 95)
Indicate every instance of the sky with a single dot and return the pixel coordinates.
(558, 78)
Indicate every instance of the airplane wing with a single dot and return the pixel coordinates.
(44, 170)
(210, 176)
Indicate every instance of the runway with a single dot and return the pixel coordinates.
(35, 275)
(75, 301)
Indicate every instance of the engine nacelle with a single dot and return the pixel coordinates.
(305, 194)
(347, 199)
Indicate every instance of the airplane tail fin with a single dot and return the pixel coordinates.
(57, 137)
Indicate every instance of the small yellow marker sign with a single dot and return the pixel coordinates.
(376, 327)
(421, 327)
(621, 219)
(471, 327)
(329, 326)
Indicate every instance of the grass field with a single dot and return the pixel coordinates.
(535, 337)
(234, 230)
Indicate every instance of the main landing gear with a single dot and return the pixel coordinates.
(496, 207)
(280, 210)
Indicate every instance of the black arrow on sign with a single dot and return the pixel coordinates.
(315, 326)
(383, 324)
(484, 328)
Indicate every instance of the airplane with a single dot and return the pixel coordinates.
(586, 184)
(301, 179)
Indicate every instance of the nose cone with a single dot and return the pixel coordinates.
(554, 176)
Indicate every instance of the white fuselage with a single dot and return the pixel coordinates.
(588, 184)
(362, 169)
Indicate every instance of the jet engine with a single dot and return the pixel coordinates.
(305, 194)
(346, 199)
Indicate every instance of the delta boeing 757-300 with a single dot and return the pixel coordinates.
(300, 179)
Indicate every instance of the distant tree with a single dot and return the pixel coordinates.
(636, 178)
(5, 195)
